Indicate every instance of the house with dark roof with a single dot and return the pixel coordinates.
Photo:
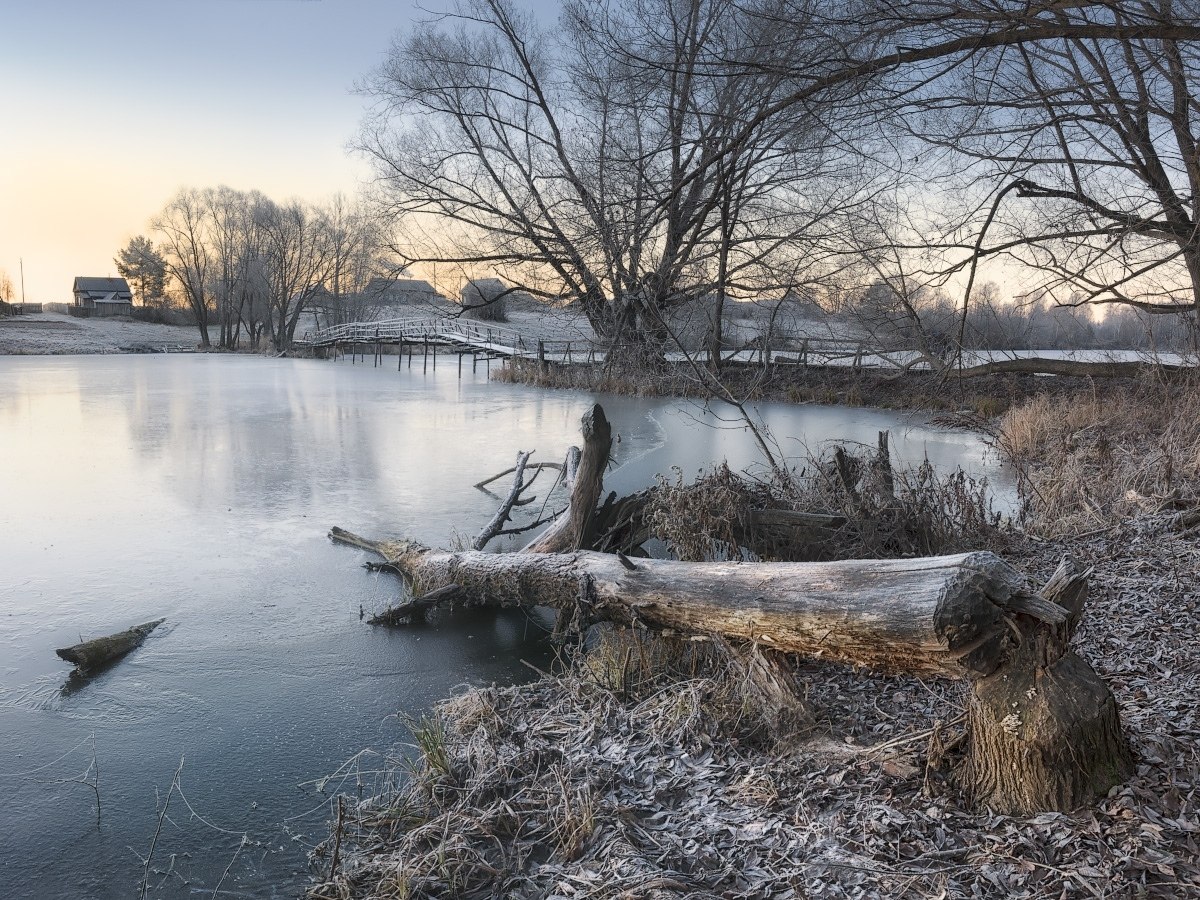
(399, 292)
(103, 296)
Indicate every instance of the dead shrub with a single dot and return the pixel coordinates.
(861, 508)
(1088, 463)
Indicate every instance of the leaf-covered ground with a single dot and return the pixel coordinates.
(564, 788)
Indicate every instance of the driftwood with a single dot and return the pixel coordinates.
(91, 655)
(573, 529)
(944, 615)
(493, 528)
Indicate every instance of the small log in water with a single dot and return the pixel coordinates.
(92, 654)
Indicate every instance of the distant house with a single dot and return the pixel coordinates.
(399, 292)
(103, 296)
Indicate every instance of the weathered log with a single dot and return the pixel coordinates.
(1044, 732)
(573, 528)
(793, 518)
(90, 655)
(947, 615)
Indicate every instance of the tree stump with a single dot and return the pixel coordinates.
(1043, 730)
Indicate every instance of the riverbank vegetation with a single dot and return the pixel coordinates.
(1094, 459)
(652, 763)
(869, 168)
(921, 390)
(648, 766)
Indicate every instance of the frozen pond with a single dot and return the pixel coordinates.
(201, 488)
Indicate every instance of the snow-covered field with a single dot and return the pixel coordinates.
(54, 333)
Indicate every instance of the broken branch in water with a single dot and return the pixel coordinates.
(414, 608)
(538, 466)
(514, 494)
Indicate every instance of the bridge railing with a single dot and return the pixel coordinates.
(493, 339)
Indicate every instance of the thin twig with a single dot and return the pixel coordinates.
(145, 884)
(230, 866)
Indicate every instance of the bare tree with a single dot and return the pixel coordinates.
(606, 161)
(237, 247)
(357, 248)
(297, 260)
(1090, 147)
(1057, 135)
(182, 225)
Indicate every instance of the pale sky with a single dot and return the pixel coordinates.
(107, 107)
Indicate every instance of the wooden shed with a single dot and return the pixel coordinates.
(103, 296)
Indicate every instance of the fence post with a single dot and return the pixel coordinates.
(542, 364)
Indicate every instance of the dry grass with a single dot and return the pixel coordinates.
(883, 513)
(1089, 462)
(566, 788)
(988, 397)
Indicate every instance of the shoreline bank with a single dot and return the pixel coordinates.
(590, 784)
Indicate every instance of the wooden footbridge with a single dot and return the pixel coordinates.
(482, 340)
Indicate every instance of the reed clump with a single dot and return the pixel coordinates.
(848, 504)
(1089, 462)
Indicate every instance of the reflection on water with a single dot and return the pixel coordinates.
(201, 489)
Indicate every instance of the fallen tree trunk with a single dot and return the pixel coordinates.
(934, 616)
(1043, 728)
(93, 654)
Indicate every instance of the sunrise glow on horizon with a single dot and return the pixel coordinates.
(110, 108)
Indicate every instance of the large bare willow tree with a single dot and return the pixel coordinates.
(622, 158)
(1058, 135)
(1091, 146)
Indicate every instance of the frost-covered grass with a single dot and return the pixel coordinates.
(613, 779)
(56, 334)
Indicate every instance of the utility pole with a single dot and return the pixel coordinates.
(21, 262)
